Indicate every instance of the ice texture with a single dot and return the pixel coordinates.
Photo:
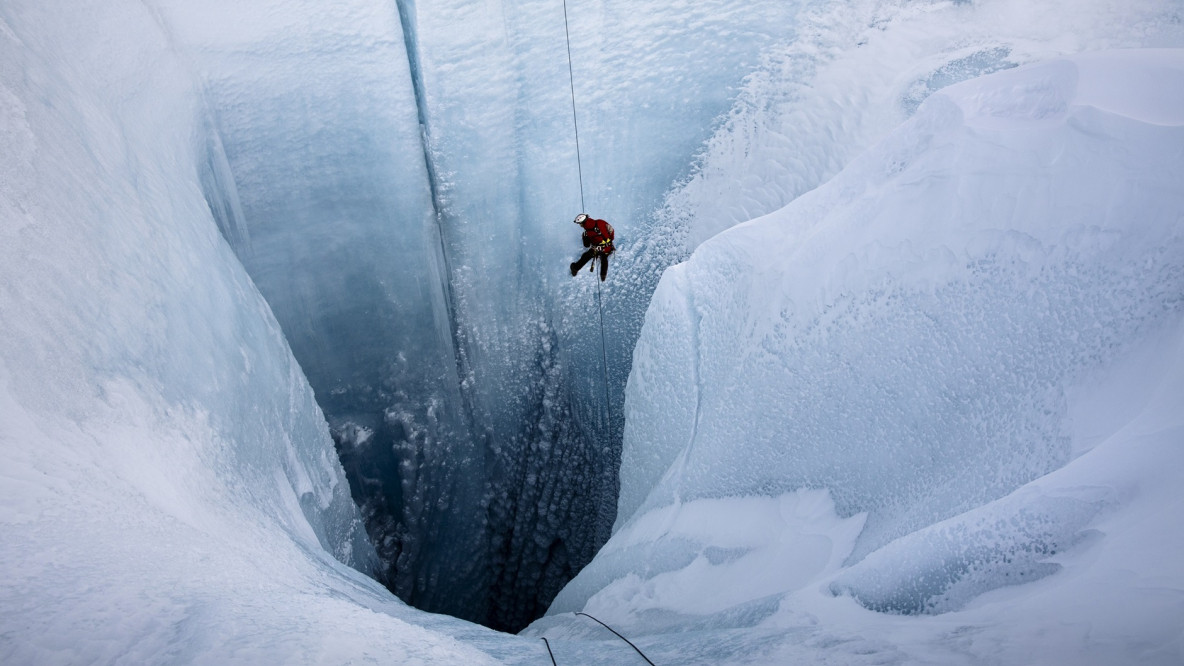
(321, 131)
(496, 96)
(402, 194)
(169, 491)
(856, 70)
(398, 179)
(919, 388)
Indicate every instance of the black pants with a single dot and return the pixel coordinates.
(586, 257)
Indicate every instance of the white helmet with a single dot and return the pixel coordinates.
(580, 218)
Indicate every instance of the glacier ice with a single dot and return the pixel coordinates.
(440, 134)
(859, 69)
(169, 490)
(407, 220)
(919, 345)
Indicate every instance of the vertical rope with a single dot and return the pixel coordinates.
(575, 123)
(603, 353)
(571, 79)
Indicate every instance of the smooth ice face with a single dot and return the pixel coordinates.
(954, 341)
(169, 491)
(119, 293)
(316, 124)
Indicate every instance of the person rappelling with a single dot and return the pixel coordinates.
(598, 238)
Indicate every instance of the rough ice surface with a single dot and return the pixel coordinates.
(402, 195)
(921, 387)
(404, 173)
(315, 109)
(195, 197)
(169, 491)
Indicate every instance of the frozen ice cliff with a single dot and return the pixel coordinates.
(257, 258)
(398, 180)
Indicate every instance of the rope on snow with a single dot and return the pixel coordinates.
(647, 659)
(549, 652)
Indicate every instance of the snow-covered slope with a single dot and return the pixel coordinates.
(947, 383)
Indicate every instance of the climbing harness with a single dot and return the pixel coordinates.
(571, 78)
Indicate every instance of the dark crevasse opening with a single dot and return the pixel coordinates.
(485, 479)
(466, 406)
(481, 500)
(495, 551)
(408, 220)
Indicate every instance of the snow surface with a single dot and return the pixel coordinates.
(169, 491)
(929, 412)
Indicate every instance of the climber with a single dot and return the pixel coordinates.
(598, 238)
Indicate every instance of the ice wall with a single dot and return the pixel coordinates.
(169, 492)
(318, 114)
(399, 180)
(117, 288)
(913, 385)
(169, 488)
(499, 121)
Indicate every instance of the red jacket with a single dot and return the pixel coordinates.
(598, 234)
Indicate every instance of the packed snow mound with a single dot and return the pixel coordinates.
(966, 347)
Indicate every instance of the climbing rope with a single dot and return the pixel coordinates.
(552, 654)
(571, 79)
(575, 123)
(603, 354)
(647, 659)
